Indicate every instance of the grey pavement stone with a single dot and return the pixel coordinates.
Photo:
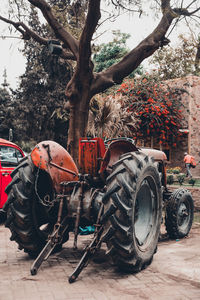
(174, 273)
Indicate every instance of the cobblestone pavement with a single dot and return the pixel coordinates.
(173, 274)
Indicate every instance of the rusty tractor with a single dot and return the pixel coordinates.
(119, 189)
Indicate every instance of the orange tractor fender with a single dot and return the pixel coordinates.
(55, 160)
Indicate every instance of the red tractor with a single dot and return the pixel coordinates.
(119, 189)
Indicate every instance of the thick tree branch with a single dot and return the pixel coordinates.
(67, 55)
(116, 73)
(197, 58)
(92, 19)
(58, 29)
(185, 12)
(83, 75)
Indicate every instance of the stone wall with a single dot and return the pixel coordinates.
(190, 141)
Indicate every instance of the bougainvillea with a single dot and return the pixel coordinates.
(157, 106)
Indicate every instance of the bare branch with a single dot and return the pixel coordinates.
(185, 12)
(177, 20)
(197, 58)
(69, 41)
(3, 37)
(191, 4)
(119, 4)
(193, 18)
(26, 32)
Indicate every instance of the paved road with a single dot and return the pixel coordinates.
(173, 275)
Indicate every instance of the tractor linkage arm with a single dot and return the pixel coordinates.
(61, 226)
(56, 237)
(54, 240)
(90, 250)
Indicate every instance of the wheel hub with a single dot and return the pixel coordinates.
(183, 215)
(144, 212)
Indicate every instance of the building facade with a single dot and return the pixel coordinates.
(190, 138)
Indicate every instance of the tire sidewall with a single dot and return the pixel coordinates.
(150, 173)
(178, 198)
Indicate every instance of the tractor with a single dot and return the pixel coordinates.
(120, 190)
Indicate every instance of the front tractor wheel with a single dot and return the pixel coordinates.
(179, 214)
(132, 211)
(28, 218)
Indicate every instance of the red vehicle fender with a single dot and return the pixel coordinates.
(113, 153)
(55, 160)
(6, 170)
(120, 147)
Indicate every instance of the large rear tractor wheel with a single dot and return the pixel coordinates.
(29, 218)
(132, 211)
(179, 214)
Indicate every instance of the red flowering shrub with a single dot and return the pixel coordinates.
(157, 106)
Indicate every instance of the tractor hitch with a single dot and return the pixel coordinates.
(54, 239)
(90, 250)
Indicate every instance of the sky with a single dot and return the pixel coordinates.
(12, 59)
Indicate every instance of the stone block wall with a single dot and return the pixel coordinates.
(190, 141)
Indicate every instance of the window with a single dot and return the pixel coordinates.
(9, 156)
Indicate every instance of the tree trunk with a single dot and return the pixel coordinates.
(79, 98)
(197, 59)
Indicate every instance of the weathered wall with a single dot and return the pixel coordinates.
(190, 141)
(194, 122)
(191, 111)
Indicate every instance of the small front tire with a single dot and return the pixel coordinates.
(179, 214)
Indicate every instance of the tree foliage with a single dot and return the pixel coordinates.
(109, 118)
(167, 60)
(40, 96)
(6, 113)
(158, 108)
(112, 52)
(85, 83)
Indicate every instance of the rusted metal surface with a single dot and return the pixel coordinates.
(160, 158)
(91, 152)
(156, 154)
(113, 153)
(54, 159)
